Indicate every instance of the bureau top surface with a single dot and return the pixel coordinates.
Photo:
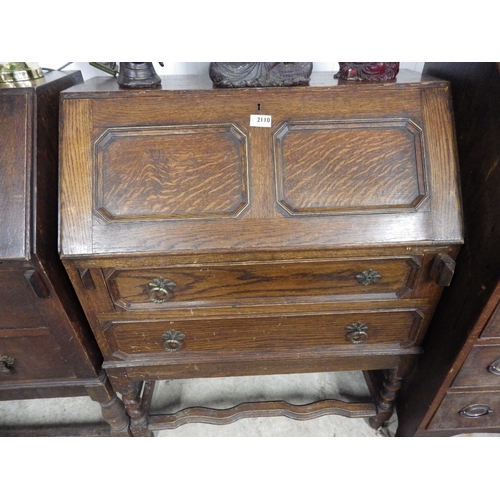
(102, 86)
(190, 168)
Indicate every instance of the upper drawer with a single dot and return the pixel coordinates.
(230, 283)
(481, 368)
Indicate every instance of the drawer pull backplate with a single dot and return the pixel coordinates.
(6, 364)
(495, 367)
(173, 340)
(368, 277)
(159, 290)
(356, 333)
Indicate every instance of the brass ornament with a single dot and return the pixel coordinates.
(368, 277)
(173, 340)
(356, 333)
(159, 290)
(6, 364)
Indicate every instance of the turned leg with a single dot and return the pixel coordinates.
(134, 406)
(386, 399)
(112, 407)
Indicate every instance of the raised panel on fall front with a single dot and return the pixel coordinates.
(173, 172)
(349, 166)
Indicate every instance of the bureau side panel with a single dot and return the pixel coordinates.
(75, 177)
(15, 174)
(442, 156)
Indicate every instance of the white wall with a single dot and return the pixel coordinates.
(188, 68)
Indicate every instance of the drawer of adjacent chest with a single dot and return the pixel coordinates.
(468, 411)
(264, 333)
(481, 368)
(232, 283)
(18, 307)
(30, 354)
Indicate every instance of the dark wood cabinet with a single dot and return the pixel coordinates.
(203, 244)
(455, 387)
(46, 346)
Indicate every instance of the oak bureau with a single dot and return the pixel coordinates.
(202, 244)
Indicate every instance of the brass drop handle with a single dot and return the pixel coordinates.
(159, 290)
(173, 340)
(356, 333)
(495, 367)
(368, 277)
(6, 364)
(475, 411)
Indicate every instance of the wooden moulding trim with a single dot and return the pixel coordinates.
(260, 409)
(340, 352)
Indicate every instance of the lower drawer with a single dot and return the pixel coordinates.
(31, 355)
(468, 411)
(263, 333)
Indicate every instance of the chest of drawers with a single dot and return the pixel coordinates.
(201, 245)
(46, 345)
(455, 387)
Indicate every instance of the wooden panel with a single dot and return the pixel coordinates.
(260, 365)
(373, 165)
(173, 172)
(76, 178)
(264, 282)
(475, 371)
(15, 174)
(448, 415)
(234, 334)
(36, 356)
(442, 156)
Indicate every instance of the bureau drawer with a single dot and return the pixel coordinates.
(264, 333)
(481, 368)
(468, 410)
(231, 283)
(31, 354)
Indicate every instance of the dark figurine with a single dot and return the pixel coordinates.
(260, 74)
(138, 75)
(369, 71)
